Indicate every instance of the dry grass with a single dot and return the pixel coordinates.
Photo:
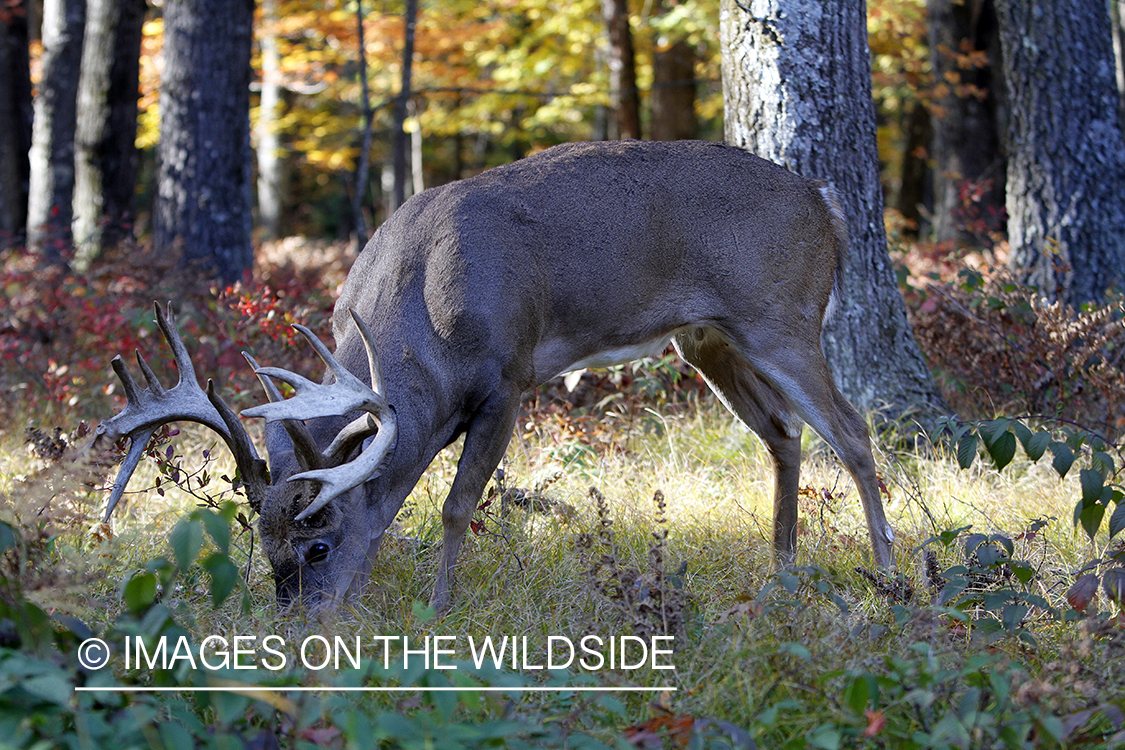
(525, 574)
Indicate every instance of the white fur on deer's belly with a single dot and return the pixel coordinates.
(551, 357)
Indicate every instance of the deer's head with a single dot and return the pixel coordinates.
(312, 500)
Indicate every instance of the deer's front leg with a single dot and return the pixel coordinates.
(485, 442)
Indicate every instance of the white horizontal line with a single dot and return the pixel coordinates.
(306, 689)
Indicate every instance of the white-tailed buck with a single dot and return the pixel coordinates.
(471, 294)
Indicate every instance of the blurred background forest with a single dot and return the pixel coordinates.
(150, 147)
(489, 82)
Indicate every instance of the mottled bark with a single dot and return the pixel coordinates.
(51, 188)
(106, 152)
(797, 87)
(625, 100)
(203, 185)
(1066, 169)
(15, 122)
(970, 118)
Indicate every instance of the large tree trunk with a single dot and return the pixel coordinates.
(15, 122)
(968, 130)
(797, 87)
(624, 98)
(106, 152)
(51, 189)
(1066, 169)
(203, 185)
(270, 164)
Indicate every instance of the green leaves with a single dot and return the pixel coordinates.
(999, 438)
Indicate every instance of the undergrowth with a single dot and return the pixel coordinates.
(1002, 628)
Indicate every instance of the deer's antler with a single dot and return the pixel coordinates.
(146, 409)
(348, 394)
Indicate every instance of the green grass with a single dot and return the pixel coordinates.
(813, 658)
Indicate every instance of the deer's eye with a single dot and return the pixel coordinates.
(316, 553)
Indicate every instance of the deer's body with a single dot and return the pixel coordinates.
(584, 255)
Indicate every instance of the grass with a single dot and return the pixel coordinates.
(818, 657)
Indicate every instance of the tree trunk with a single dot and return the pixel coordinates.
(1066, 169)
(403, 99)
(15, 122)
(1117, 13)
(915, 199)
(203, 184)
(270, 165)
(106, 152)
(673, 92)
(797, 87)
(51, 189)
(624, 97)
(968, 129)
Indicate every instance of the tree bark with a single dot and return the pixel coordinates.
(1066, 170)
(915, 198)
(968, 130)
(1117, 13)
(797, 87)
(270, 165)
(15, 122)
(203, 183)
(399, 156)
(51, 188)
(673, 92)
(624, 98)
(106, 153)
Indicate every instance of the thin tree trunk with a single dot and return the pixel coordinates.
(1117, 13)
(624, 96)
(417, 184)
(1066, 172)
(364, 166)
(914, 197)
(968, 130)
(673, 92)
(106, 153)
(673, 84)
(203, 186)
(797, 87)
(270, 164)
(399, 156)
(51, 189)
(15, 122)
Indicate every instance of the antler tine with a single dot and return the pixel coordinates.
(127, 382)
(304, 446)
(167, 325)
(255, 472)
(146, 409)
(363, 468)
(372, 360)
(138, 442)
(347, 394)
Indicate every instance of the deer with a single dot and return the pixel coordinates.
(471, 294)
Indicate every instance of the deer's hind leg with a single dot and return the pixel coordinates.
(793, 363)
(763, 410)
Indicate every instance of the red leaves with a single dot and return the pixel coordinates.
(650, 734)
(1082, 593)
